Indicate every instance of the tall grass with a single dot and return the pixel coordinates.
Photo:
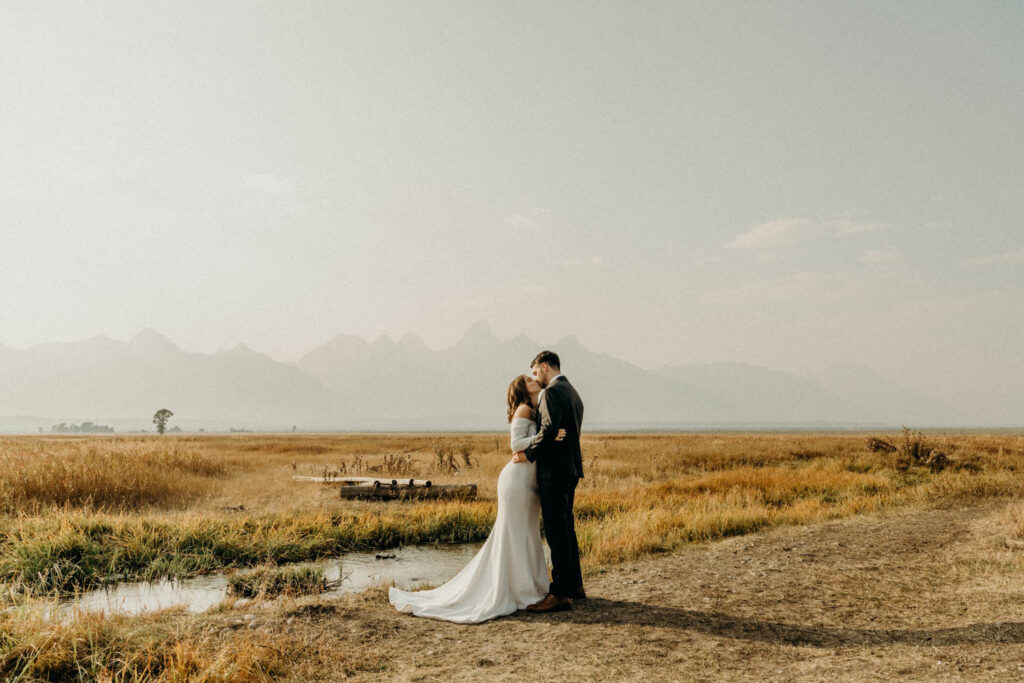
(614, 526)
(106, 474)
(146, 508)
(96, 647)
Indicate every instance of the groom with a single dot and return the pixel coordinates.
(559, 469)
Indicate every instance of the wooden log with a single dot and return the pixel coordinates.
(353, 481)
(403, 492)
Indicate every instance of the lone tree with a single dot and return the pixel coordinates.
(160, 419)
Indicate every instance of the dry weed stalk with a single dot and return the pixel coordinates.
(878, 445)
(400, 464)
(328, 472)
(465, 449)
(444, 454)
(912, 450)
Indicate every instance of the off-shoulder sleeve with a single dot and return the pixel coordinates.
(520, 431)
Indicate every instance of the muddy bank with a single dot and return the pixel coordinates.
(859, 599)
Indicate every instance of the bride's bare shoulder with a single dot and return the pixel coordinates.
(523, 410)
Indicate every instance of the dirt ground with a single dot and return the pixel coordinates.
(920, 595)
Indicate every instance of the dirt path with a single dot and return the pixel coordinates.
(904, 594)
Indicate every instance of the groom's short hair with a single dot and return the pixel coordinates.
(549, 357)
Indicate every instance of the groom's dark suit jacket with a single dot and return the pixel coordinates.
(560, 408)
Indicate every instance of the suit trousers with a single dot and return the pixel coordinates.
(556, 501)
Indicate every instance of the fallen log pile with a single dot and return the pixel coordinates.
(407, 492)
(377, 488)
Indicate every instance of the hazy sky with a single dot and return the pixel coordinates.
(790, 184)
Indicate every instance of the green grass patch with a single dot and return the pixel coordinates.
(276, 581)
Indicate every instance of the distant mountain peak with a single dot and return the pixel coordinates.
(239, 349)
(100, 341)
(570, 343)
(411, 340)
(150, 338)
(347, 341)
(480, 332)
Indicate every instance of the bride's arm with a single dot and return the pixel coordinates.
(520, 435)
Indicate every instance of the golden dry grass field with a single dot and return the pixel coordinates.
(668, 508)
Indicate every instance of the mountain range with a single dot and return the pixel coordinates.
(352, 384)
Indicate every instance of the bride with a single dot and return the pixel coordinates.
(509, 572)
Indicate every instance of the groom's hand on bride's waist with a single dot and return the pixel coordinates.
(520, 456)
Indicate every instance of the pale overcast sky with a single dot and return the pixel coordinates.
(792, 184)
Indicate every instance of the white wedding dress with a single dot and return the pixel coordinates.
(509, 572)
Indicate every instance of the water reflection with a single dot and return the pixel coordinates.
(408, 567)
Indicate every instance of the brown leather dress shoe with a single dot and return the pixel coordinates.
(550, 603)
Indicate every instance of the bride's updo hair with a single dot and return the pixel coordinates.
(517, 395)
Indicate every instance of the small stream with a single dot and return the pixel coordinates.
(408, 567)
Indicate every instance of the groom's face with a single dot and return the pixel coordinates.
(540, 373)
